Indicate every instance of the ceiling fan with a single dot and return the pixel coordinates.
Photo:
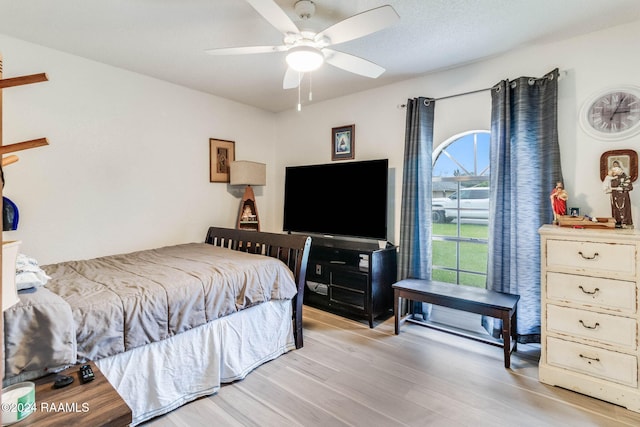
(308, 50)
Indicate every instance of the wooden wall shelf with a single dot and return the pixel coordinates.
(4, 149)
(23, 80)
(9, 160)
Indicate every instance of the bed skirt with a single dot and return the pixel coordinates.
(157, 378)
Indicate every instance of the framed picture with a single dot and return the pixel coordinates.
(221, 154)
(626, 159)
(574, 211)
(343, 142)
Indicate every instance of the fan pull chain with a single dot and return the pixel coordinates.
(299, 80)
(310, 91)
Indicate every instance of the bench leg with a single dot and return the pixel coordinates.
(514, 329)
(506, 338)
(396, 310)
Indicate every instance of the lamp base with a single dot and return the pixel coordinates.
(248, 218)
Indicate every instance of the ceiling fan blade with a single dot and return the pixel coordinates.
(245, 50)
(291, 79)
(352, 63)
(360, 25)
(274, 15)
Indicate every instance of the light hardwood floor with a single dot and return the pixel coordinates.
(349, 375)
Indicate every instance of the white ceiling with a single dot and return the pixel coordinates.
(166, 39)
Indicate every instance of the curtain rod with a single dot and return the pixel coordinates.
(561, 74)
(451, 96)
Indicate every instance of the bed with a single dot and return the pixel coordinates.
(169, 325)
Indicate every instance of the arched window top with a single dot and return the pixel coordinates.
(464, 154)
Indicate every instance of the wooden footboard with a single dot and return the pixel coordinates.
(292, 249)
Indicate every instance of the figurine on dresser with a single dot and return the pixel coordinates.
(559, 199)
(618, 184)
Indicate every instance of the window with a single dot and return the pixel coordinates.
(460, 209)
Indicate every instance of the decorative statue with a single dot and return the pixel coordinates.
(618, 185)
(247, 213)
(559, 199)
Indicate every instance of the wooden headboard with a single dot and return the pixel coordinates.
(292, 249)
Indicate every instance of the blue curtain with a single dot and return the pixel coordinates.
(525, 165)
(415, 211)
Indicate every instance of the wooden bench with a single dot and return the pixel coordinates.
(475, 300)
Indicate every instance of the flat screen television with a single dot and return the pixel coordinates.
(339, 199)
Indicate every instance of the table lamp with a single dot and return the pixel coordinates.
(243, 172)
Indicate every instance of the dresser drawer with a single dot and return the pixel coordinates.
(609, 294)
(600, 327)
(348, 297)
(595, 257)
(349, 279)
(596, 362)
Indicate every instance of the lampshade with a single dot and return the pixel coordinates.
(244, 172)
(305, 58)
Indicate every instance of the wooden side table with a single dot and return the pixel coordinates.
(95, 403)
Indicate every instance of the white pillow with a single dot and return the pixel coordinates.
(29, 274)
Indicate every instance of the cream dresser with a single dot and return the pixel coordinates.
(589, 300)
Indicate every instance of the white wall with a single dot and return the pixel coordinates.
(127, 166)
(592, 62)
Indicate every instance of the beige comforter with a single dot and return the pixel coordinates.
(125, 301)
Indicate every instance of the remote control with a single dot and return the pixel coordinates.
(86, 374)
(62, 381)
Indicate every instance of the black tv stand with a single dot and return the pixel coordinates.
(351, 277)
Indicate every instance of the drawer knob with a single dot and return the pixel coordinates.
(595, 291)
(594, 256)
(590, 359)
(589, 327)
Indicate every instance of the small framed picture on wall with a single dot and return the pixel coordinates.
(221, 154)
(343, 143)
(627, 160)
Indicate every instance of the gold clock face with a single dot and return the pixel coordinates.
(614, 114)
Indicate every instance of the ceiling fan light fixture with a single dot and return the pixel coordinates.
(304, 58)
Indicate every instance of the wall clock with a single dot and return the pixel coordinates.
(612, 114)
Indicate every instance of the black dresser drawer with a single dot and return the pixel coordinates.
(348, 297)
(350, 279)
